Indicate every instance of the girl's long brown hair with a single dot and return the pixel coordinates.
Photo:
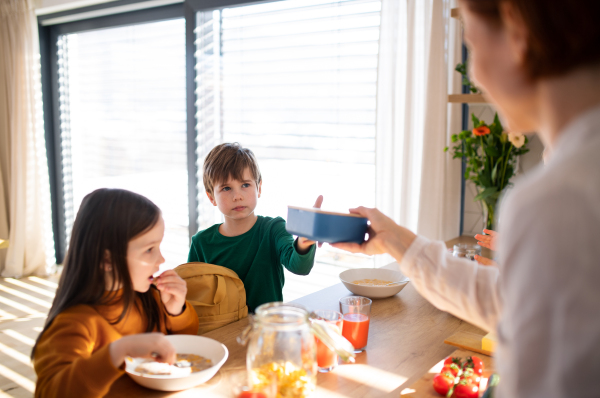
(106, 221)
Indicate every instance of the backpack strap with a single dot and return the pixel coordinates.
(219, 294)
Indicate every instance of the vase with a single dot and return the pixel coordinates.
(490, 206)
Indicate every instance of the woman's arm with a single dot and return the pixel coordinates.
(461, 287)
(458, 286)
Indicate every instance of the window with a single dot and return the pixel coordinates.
(295, 81)
(123, 120)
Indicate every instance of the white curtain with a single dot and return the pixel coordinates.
(418, 185)
(24, 185)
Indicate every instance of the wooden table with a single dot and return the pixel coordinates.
(406, 338)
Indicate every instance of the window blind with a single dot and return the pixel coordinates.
(295, 81)
(123, 120)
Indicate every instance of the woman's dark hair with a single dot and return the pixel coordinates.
(106, 221)
(563, 34)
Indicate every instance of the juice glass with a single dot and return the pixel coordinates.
(327, 359)
(356, 311)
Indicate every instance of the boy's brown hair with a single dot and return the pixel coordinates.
(228, 161)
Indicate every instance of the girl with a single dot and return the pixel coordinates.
(106, 306)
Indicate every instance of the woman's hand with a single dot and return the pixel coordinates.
(172, 291)
(488, 240)
(385, 236)
(485, 261)
(145, 345)
(303, 244)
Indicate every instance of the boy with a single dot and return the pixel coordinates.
(255, 247)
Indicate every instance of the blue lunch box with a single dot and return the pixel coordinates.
(326, 226)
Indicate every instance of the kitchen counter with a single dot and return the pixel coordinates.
(406, 338)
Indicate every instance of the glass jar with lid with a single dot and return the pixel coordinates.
(466, 250)
(281, 345)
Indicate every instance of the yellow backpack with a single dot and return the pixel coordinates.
(217, 294)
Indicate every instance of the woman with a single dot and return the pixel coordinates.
(538, 61)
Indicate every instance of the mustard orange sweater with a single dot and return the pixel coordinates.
(72, 358)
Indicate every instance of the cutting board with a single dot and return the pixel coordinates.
(423, 388)
(467, 341)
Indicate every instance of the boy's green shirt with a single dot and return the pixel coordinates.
(256, 256)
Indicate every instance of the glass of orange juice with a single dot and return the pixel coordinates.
(356, 311)
(327, 359)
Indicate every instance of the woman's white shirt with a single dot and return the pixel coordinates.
(544, 299)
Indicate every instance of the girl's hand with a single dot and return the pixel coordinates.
(142, 346)
(172, 291)
(385, 236)
(304, 244)
(488, 240)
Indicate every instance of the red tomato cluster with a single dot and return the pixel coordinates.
(459, 379)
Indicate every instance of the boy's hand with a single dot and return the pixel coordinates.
(303, 245)
(172, 291)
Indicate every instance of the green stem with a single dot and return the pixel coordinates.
(491, 158)
(490, 217)
(483, 154)
(504, 168)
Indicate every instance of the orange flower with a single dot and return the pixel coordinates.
(483, 130)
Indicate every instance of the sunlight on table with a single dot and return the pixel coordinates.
(371, 376)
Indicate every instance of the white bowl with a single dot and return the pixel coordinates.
(184, 344)
(374, 292)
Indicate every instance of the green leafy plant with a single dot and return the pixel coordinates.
(463, 70)
(490, 155)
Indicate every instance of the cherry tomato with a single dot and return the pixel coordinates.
(466, 389)
(452, 368)
(474, 363)
(443, 382)
(453, 360)
(469, 374)
(251, 394)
